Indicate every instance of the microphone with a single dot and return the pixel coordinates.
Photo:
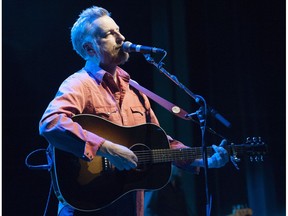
(219, 117)
(129, 47)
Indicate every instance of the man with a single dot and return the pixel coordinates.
(102, 88)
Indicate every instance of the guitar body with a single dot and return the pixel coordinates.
(91, 186)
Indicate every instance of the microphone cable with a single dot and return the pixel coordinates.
(47, 166)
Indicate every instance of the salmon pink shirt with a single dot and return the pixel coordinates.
(92, 90)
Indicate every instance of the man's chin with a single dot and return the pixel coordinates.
(123, 58)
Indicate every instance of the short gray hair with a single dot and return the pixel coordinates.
(83, 28)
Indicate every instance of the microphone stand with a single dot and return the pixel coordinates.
(201, 114)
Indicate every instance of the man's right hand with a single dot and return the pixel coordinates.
(120, 156)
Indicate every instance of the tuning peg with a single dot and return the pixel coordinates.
(255, 139)
(256, 158)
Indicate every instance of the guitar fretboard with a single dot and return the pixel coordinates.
(169, 155)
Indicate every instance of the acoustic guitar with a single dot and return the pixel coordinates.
(91, 186)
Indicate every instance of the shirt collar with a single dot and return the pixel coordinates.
(98, 73)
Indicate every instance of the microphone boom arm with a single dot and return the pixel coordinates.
(197, 98)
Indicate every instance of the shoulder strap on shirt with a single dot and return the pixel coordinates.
(161, 101)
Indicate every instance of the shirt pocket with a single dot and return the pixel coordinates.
(109, 113)
(138, 114)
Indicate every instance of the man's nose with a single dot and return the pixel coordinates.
(120, 38)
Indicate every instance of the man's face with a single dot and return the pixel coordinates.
(109, 40)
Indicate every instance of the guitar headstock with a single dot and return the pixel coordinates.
(255, 148)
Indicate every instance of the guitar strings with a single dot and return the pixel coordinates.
(169, 155)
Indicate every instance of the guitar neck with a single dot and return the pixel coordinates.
(170, 155)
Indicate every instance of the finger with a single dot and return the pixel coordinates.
(224, 154)
(127, 166)
(124, 163)
(130, 165)
(223, 143)
(217, 157)
(118, 163)
(133, 164)
(119, 166)
(212, 161)
(219, 150)
(215, 148)
(219, 160)
(134, 158)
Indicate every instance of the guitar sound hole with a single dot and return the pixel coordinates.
(144, 155)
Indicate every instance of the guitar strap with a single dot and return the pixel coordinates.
(179, 112)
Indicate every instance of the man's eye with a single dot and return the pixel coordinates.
(108, 33)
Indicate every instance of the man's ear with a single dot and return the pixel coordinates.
(88, 47)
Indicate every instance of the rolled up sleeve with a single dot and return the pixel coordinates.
(60, 131)
(58, 127)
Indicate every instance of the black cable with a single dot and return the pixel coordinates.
(39, 167)
(48, 199)
(47, 166)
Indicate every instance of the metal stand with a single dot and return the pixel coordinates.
(201, 114)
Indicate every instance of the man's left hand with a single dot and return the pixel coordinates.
(220, 157)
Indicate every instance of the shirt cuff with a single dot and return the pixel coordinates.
(92, 145)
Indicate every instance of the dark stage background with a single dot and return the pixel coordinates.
(231, 52)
